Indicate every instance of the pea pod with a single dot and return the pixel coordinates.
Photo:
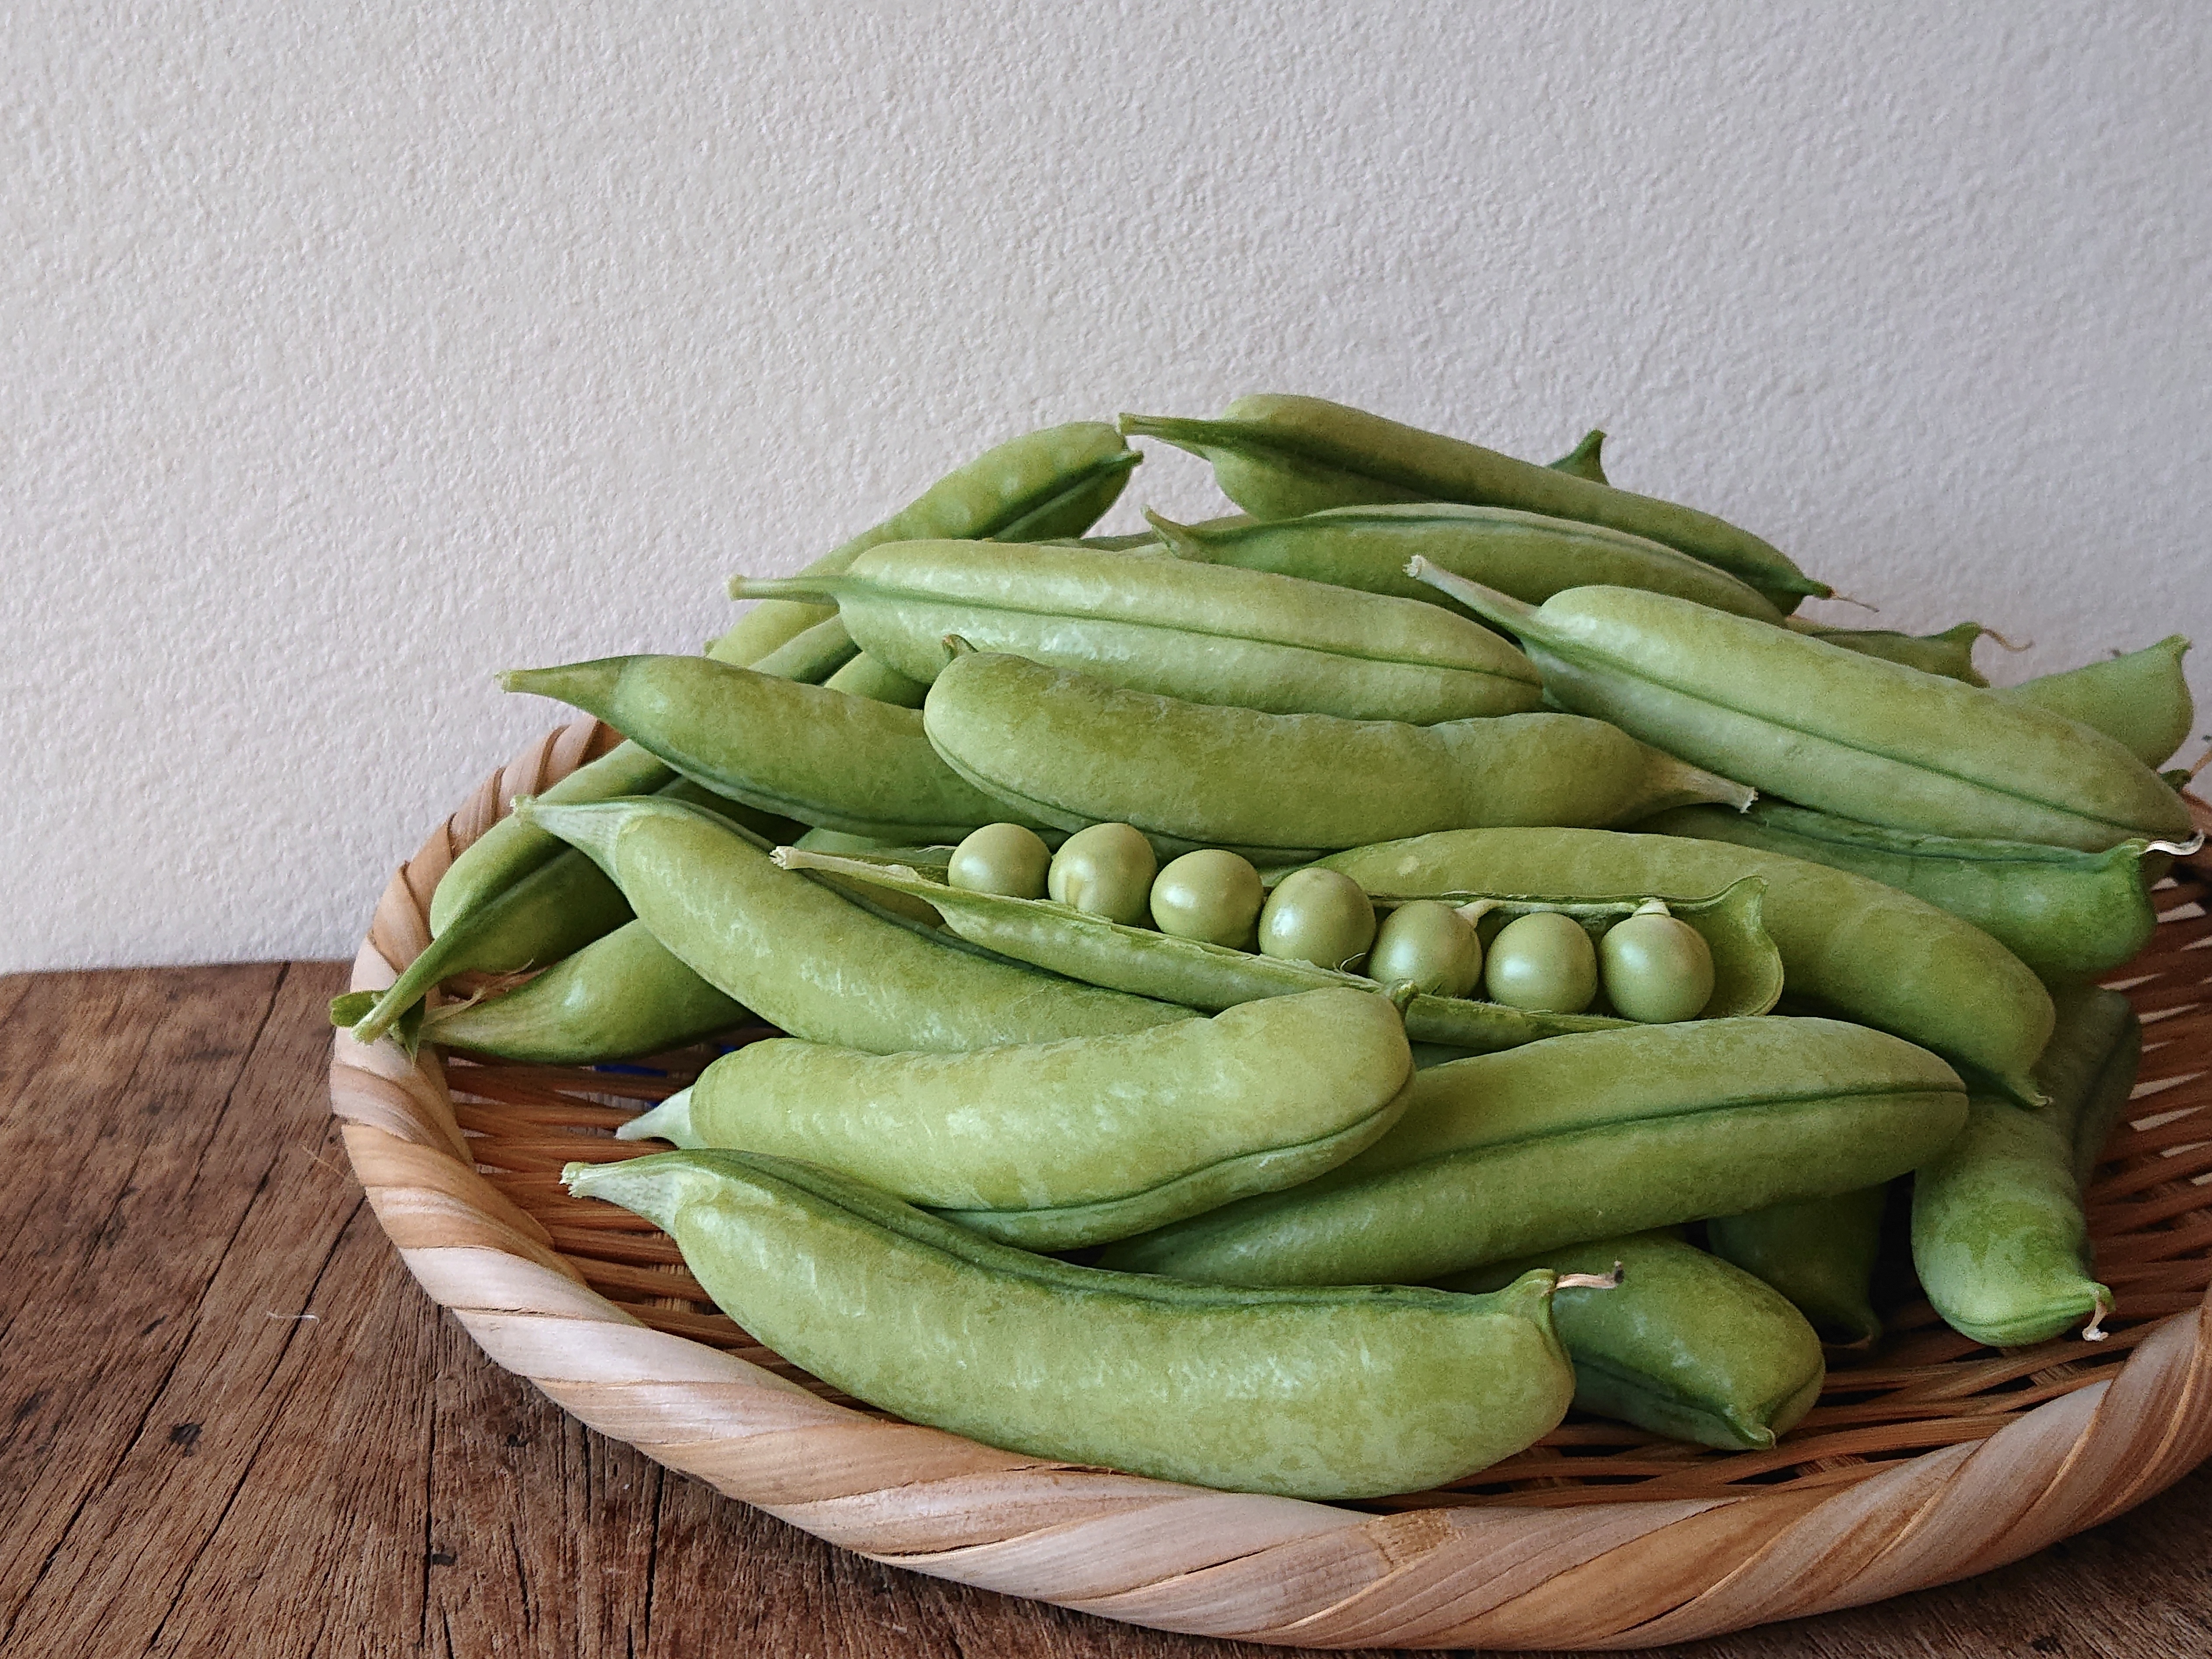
(2139, 700)
(2066, 913)
(1819, 1253)
(1830, 728)
(1069, 749)
(509, 850)
(1949, 653)
(1199, 975)
(1999, 1238)
(1868, 952)
(811, 962)
(1504, 1155)
(1060, 1145)
(870, 676)
(1212, 633)
(618, 997)
(1304, 1393)
(1284, 456)
(1058, 481)
(1686, 1345)
(1523, 554)
(820, 756)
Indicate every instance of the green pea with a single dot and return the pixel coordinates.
(1104, 871)
(870, 676)
(1545, 962)
(1055, 1145)
(1305, 1393)
(1319, 917)
(1820, 1253)
(1950, 653)
(1639, 1127)
(1001, 857)
(1209, 895)
(1829, 729)
(1430, 945)
(1656, 968)
(1585, 460)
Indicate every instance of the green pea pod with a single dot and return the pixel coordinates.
(1531, 557)
(1326, 1394)
(1819, 1252)
(1056, 1146)
(1284, 456)
(869, 677)
(1096, 950)
(1684, 1345)
(811, 962)
(806, 752)
(618, 997)
(1069, 750)
(2066, 913)
(1949, 653)
(1504, 1155)
(1999, 1237)
(508, 850)
(1212, 634)
(1829, 729)
(1055, 481)
(2139, 700)
(1584, 461)
(1868, 952)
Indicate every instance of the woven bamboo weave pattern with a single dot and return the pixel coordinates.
(1928, 1460)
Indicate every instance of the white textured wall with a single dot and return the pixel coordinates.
(351, 353)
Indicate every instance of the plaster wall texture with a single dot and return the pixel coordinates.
(353, 352)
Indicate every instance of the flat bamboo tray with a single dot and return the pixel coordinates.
(1929, 1460)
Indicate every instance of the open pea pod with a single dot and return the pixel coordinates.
(1213, 977)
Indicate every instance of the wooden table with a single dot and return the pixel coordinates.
(236, 1426)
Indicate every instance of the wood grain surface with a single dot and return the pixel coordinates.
(235, 1426)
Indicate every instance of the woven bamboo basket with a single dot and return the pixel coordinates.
(1926, 1461)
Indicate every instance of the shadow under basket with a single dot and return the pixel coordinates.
(1926, 1460)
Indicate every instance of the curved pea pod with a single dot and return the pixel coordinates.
(2068, 915)
(1212, 634)
(1747, 976)
(1949, 653)
(1058, 481)
(1059, 1145)
(1684, 1345)
(509, 850)
(1999, 1237)
(820, 756)
(1868, 952)
(2139, 700)
(1523, 554)
(1305, 1393)
(1504, 1155)
(1284, 456)
(1826, 727)
(1586, 460)
(812, 963)
(1069, 750)
(869, 677)
(1819, 1253)
(618, 997)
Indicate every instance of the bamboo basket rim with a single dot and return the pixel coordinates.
(1942, 1460)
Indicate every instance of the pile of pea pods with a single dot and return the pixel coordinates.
(1294, 1002)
